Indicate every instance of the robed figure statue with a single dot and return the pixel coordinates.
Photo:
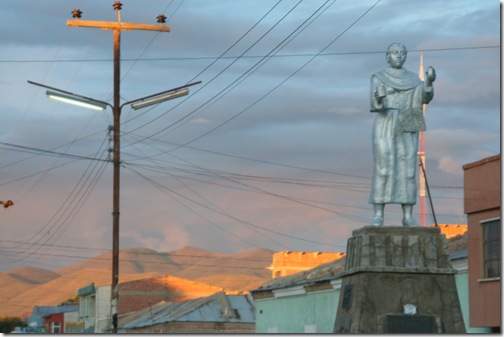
(397, 96)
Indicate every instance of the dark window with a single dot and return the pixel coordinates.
(492, 248)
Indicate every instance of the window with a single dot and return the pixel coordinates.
(56, 328)
(491, 248)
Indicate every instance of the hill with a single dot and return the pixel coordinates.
(30, 286)
(22, 279)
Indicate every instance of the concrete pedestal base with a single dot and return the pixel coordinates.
(398, 279)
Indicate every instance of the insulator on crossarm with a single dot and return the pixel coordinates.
(76, 13)
(117, 5)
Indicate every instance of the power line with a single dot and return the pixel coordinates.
(196, 58)
(229, 215)
(263, 96)
(216, 76)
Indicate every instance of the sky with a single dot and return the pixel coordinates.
(272, 150)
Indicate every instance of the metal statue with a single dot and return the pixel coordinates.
(397, 96)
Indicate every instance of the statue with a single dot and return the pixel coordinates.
(397, 96)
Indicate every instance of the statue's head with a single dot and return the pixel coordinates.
(396, 55)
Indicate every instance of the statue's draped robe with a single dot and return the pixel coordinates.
(395, 135)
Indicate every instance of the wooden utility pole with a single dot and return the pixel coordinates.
(117, 27)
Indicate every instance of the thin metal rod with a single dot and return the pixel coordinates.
(70, 93)
(428, 192)
(159, 93)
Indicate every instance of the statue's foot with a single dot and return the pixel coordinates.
(410, 222)
(377, 221)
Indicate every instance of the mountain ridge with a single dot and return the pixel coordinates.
(29, 286)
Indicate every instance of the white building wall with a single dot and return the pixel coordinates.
(71, 316)
(102, 324)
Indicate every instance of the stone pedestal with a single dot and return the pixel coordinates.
(398, 279)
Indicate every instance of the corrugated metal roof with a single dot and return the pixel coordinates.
(459, 255)
(216, 308)
(43, 311)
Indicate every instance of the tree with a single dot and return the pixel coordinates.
(7, 324)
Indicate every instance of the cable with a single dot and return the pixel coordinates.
(228, 215)
(197, 58)
(282, 82)
(220, 72)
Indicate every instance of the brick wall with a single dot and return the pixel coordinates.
(140, 294)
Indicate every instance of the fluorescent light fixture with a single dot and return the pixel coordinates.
(160, 98)
(82, 102)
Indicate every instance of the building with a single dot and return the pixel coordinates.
(482, 190)
(287, 263)
(139, 294)
(307, 302)
(218, 313)
(87, 307)
(63, 322)
(40, 313)
(136, 295)
(452, 230)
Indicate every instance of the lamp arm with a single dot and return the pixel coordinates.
(71, 93)
(159, 93)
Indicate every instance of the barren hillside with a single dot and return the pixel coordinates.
(35, 286)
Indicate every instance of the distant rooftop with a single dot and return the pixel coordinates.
(218, 307)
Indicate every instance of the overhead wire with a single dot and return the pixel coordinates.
(278, 85)
(196, 58)
(226, 214)
(212, 207)
(286, 40)
(67, 210)
(186, 145)
(225, 68)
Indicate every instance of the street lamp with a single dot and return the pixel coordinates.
(76, 100)
(160, 98)
(91, 103)
(69, 97)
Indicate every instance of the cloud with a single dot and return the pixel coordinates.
(450, 165)
(295, 124)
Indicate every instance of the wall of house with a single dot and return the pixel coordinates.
(87, 312)
(287, 263)
(102, 310)
(293, 310)
(484, 294)
(482, 182)
(139, 294)
(54, 318)
(313, 312)
(462, 284)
